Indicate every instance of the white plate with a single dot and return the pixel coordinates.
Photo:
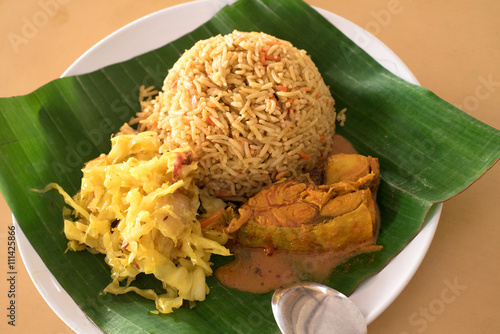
(373, 296)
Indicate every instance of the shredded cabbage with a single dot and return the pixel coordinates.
(138, 206)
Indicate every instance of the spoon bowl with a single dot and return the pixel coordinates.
(307, 308)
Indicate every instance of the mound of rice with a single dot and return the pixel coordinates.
(252, 106)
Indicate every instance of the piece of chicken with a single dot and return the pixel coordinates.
(352, 167)
(298, 215)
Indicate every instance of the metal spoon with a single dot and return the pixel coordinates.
(307, 308)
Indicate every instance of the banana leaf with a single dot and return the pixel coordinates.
(428, 151)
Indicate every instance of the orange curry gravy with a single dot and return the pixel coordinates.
(259, 270)
(254, 270)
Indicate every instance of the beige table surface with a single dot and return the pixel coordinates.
(452, 47)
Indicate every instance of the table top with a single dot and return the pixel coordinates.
(453, 49)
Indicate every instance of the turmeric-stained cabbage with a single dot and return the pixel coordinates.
(138, 206)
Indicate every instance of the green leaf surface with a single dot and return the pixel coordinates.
(428, 150)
